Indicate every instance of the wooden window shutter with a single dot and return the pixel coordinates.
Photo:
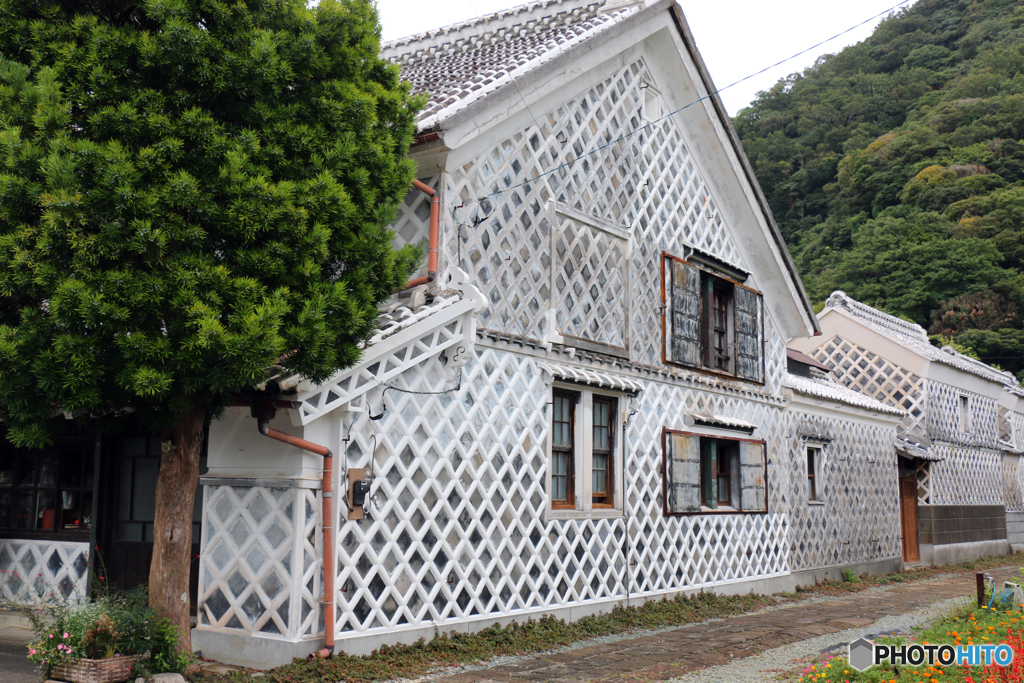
(683, 345)
(682, 474)
(753, 479)
(749, 331)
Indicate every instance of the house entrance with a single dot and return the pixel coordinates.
(133, 463)
(908, 518)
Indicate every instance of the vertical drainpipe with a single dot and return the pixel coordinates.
(435, 212)
(326, 514)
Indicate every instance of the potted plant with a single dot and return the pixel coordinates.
(92, 641)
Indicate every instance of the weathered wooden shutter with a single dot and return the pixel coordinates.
(749, 330)
(709, 469)
(753, 478)
(682, 485)
(683, 344)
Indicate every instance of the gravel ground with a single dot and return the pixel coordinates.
(764, 667)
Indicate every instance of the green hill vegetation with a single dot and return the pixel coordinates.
(895, 169)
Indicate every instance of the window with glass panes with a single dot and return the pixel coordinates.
(48, 490)
(585, 464)
(562, 448)
(603, 455)
(813, 455)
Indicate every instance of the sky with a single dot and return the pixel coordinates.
(736, 37)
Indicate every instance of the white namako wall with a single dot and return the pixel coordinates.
(979, 448)
(460, 531)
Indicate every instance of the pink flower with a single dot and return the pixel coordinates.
(32, 651)
(65, 634)
(51, 635)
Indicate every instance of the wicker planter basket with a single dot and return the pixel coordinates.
(109, 670)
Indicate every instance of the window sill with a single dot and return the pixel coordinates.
(815, 502)
(599, 513)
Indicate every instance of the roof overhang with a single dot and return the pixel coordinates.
(451, 329)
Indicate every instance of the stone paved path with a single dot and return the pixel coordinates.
(672, 653)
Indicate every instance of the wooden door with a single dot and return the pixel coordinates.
(908, 518)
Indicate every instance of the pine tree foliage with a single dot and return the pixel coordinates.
(189, 191)
(895, 169)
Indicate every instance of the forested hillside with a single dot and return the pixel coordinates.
(895, 169)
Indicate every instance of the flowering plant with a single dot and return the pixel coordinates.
(107, 626)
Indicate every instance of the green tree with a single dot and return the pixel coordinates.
(190, 192)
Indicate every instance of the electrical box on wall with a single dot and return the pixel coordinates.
(358, 489)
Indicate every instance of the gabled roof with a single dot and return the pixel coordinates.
(466, 67)
(914, 337)
(833, 391)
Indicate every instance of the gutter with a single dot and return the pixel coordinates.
(435, 211)
(264, 412)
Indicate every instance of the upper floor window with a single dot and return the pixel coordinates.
(712, 322)
(965, 414)
(586, 458)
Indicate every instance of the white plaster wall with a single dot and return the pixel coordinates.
(238, 450)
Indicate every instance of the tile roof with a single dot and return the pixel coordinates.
(827, 389)
(459, 64)
(593, 377)
(393, 317)
(913, 337)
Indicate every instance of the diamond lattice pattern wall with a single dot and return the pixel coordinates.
(261, 560)
(859, 518)
(35, 572)
(498, 224)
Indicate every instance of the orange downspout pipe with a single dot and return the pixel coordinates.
(327, 514)
(435, 212)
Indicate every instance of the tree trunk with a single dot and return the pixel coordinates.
(172, 526)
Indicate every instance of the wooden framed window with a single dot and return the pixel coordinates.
(717, 470)
(711, 322)
(718, 323)
(563, 448)
(705, 474)
(603, 452)
(585, 455)
(813, 460)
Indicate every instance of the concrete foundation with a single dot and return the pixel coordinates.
(954, 553)
(255, 652)
(811, 577)
(262, 652)
(1015, 528)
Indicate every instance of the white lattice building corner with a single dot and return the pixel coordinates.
(958, 446)
(593, 407)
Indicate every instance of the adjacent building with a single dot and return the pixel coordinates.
(959, 444)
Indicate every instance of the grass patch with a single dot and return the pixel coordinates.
(962, 624)
(546, 633)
